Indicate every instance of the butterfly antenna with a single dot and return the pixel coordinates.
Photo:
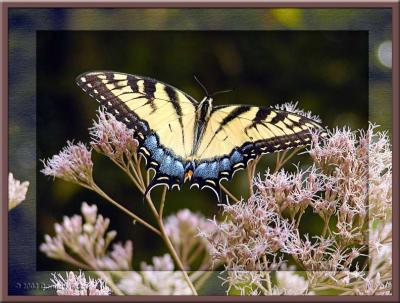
(221, 92)
(202, 86)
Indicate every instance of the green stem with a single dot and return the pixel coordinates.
(203, 278)
(98, 190)
(267, 276)
(251, 169)
(265, 291)
(109, 282)
(229, 194)
(281, 161)
(299, 218)
(175, 255)
(326, 226)
(73, 261)
(268, 280)
(162, 203)
(199, 248)
(167, 241)
(294, 152)
(330, 287)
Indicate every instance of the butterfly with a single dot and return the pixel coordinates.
(184, 140)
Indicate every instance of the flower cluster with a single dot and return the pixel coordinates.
(321, 254)
(379, 174)
(156, 279)
(290, 283)
(358, 179)
(288, 192)
(344, 160)
(16, 191)
(250, 236)
(183, 229)
(113, 138)
(78, 285)
(348, 187)
(85, 242)
(73, 164)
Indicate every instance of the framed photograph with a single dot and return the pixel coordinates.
(200, 151)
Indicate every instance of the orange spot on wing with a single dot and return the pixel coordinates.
(188, 175)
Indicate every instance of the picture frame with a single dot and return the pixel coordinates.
(32, 31)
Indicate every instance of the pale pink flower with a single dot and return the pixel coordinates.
(73, 164)
(374, 286)
(290, 283)
(285, 190)
(184, 229)
(158, 278)
(292, 107)
(77, 237)
(379, 173)
(250, 232)
(78, 285)
(16, 191)
(113, 138)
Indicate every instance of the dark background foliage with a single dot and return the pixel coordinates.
(326, 72)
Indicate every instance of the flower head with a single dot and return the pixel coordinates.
(288, 191)
(289, 283)
(112, 138)
(292, 107)
(77, 237)
(158, 278)
(72, 164)
(16, 191)
(250, 236)
(183, 228)
(357, 177)
(78, 285)
(379, 173)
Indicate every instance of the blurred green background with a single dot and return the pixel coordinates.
(321, 58)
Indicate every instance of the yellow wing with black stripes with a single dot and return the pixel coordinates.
(236, 134)
(268, 129)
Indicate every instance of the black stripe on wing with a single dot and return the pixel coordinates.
(172, 95)
(93, 85)
(233, 115)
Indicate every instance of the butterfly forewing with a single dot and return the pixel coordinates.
(146, 105)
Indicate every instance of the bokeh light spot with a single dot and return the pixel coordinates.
(385, 53)
(290, 17)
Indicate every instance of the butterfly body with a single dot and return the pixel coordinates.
(184, 140)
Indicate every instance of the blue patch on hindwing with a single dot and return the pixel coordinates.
(225, 165)
(207, 170)
(172, 167)
(168, 164)
(236, 157)
(151, 143)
